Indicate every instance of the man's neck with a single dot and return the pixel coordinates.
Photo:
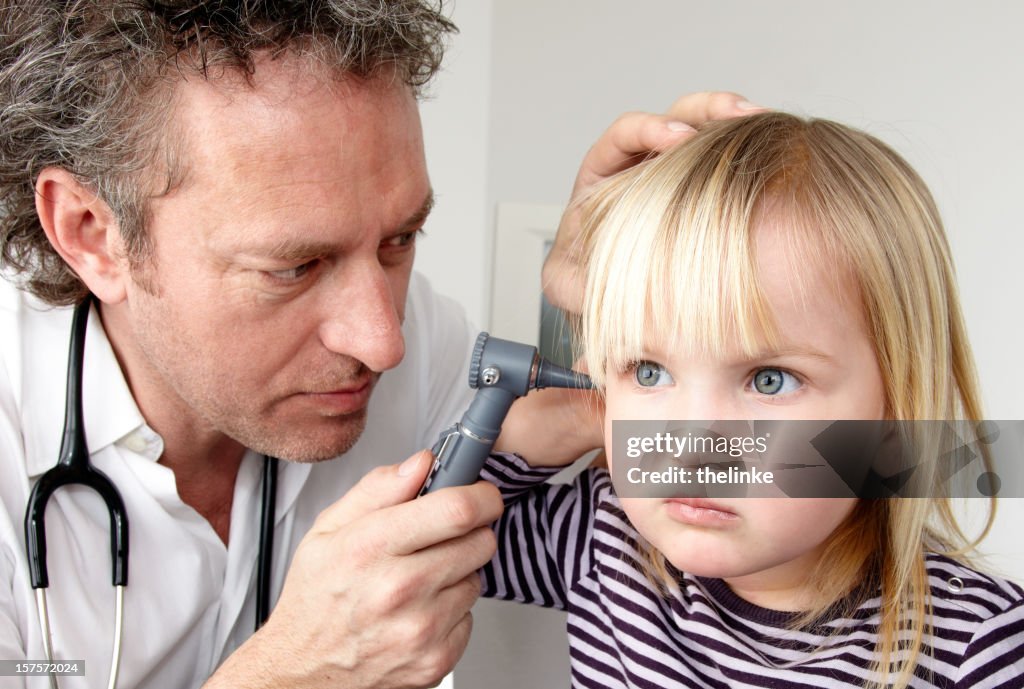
(207, 485)
(205, 462)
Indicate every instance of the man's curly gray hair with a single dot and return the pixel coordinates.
(84, 87)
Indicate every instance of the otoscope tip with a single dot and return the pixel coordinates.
(551, 376)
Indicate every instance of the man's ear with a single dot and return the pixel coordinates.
(84, 231)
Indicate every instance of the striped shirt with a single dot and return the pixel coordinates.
(571, 547)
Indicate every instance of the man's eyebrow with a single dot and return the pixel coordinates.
(417, 218)
(292, 249)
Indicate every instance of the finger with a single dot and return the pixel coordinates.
(440, 631)
(458, 638)
(459, 596)
(447, 563)
(454, 644)
(630, 138)
(696, 109)
(435, 518)
(459, 599)
(383, 487)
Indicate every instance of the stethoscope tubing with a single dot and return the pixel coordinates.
(73, 467)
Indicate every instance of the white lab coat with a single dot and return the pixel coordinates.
(190, 601)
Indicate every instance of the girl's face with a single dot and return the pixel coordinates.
(823, 368)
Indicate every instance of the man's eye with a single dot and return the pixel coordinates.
(774, 381)
(649, 374)
(400, 240)
(292, 274)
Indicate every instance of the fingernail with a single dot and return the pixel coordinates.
(677, 126)
(747, 105)
(409, 465)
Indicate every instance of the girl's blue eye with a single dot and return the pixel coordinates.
(649, 374)
(773, 381)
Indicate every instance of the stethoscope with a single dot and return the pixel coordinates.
(73, 467)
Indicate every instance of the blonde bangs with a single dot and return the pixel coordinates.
(672, 258)
(661, 272)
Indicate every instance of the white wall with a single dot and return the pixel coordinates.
(534, 82)
(455, 253)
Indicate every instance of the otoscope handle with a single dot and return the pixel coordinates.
(458, 459)
(460, 451)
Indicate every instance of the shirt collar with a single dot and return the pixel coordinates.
(108, 406)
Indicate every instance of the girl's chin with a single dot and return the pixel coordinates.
(708, 564)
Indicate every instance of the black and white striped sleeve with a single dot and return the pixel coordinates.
(543, 536)
(995, 655)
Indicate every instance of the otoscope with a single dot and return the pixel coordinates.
(500, 371)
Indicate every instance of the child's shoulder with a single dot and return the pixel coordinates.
(968, 594)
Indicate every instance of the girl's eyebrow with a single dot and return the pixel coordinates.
(791, 350)
(767, 354)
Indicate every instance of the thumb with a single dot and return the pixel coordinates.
(383, 487)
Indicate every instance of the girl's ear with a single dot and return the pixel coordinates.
(84, 231)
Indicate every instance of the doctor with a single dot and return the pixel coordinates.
(241, 187)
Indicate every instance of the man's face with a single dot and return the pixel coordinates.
(278, 282)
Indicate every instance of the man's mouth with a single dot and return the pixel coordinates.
(345, 398)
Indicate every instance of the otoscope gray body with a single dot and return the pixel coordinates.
(501, 371)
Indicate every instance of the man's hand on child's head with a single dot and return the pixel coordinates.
(632, 138)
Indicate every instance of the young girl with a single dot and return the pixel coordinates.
(769, 268)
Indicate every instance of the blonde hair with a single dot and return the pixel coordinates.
(674, 235)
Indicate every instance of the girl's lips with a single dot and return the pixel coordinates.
(700, 512)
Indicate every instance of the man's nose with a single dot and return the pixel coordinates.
(364, 319)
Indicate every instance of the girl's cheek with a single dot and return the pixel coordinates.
(800, 520)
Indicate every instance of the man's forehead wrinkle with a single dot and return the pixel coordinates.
(224, 157)
(239, 143)
(255, 125)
